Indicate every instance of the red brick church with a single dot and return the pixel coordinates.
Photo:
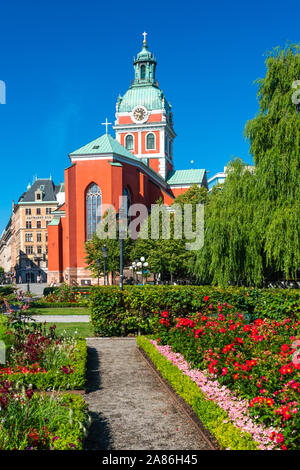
(138, 162)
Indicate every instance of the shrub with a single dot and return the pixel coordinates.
(211, 415)
(34, 422)
(258, 361)
(50, 290)
(69, 375)
(6, 290)
(131, 311)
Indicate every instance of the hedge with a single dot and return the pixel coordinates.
(212, 416)
(131, 311)
(57, 379)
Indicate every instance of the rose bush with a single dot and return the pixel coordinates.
(258, 361)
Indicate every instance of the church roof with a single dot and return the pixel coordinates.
(102, 145)
(148, 95)
(185, 177)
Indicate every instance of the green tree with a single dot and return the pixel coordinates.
(169, 256)
(94, 247)
(252, 230)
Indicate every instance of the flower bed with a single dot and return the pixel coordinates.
(257, 362)
(115, 312)
(33, 422)
(43, 359)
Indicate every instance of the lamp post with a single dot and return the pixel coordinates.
(133, 267)
(145, 265)
(139, 264)
(104, 254)
(98, 269)
(28, 277)
(122, 235)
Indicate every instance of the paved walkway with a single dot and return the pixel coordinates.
(130, 408)
(61, 318)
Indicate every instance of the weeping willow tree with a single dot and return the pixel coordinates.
(252, 222)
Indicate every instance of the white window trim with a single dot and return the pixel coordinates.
(127, 135)
(147, 139)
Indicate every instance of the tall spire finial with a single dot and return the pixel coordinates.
(145, 34)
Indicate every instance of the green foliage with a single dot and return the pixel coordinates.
(115, 313)
(211, 415)
(252, 230)
(43, 422)
(50, 290)
(6, 290)
(55, 378)
(168, 255)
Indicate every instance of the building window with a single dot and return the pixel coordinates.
(166, 144)
(126, 193)
(28, 211)
(38, 237)
(143, 72)
(93, 209)
(150, 142)
(39, 249)
(39, 224)
(28, 224)
(28, 237)
(38, 211)
(48, 210)
(29, 250)
(129, 142)
(38, 196)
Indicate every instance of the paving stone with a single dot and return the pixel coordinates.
(130, 408)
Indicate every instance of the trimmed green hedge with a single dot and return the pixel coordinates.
(57, 379)
(115, 313)
(71, 434)
(211, 415)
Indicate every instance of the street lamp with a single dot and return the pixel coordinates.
(28, 277)
(98, 269)
(145, 265)
(104, 254)
(122, 236)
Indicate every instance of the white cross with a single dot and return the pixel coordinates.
(106, 124)
(145, 34)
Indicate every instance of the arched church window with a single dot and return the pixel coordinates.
(129, 142)
(150, 142)
(143, 72)
(127, 194)
(93, 209)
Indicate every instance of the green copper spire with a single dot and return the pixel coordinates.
(144, 66)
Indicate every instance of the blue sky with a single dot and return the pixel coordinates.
(65, 62)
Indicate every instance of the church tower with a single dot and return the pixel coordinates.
(144, 122)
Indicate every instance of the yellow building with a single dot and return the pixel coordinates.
(31, 215)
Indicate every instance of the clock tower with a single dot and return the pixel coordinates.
(144, 122)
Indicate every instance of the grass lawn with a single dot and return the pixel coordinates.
(60, 311)
(83, 329)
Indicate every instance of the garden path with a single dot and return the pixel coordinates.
(130, 408)
(61, 318)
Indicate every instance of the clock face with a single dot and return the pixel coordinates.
(139, 114)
